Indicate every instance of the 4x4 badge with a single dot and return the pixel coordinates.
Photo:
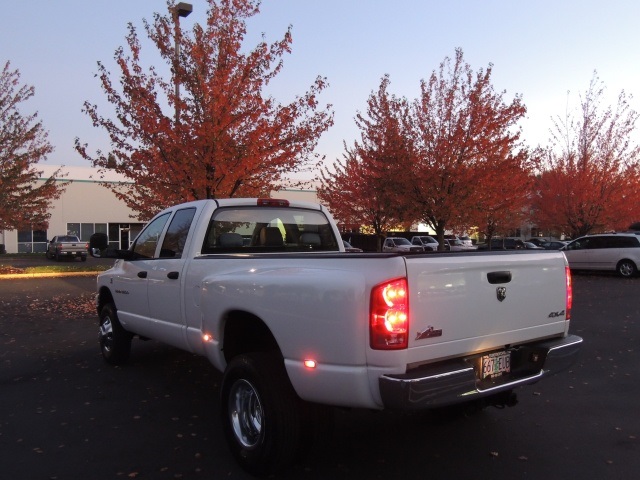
(501, 293)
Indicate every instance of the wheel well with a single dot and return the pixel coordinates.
(244, 333)
(626, 260)
(104, 297)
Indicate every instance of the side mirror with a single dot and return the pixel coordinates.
(98, 244)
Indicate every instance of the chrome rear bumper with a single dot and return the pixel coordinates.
(456, 381)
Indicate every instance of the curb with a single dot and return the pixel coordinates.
(11, 276)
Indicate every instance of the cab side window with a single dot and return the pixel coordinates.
(147, 241)
(176, 236)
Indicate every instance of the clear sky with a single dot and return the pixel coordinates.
(541, 49)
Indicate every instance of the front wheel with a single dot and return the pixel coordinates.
(115, 341)
(261, 413)
(626, 268)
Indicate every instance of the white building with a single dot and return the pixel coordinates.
(87, 207)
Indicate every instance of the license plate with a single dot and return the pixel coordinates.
(495, 364)
(73, 253)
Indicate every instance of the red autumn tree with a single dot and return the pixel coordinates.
(364, 187)
(24, 198)
(465, 136)
(591, 175)
(503, 199)
(209, 131)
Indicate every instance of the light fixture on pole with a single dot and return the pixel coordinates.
(183, 10)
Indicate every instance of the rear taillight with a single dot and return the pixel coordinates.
(389, 315)
(567, 275)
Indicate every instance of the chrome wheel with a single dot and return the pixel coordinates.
(627, 268)
(261, 413)
(245, 413)
(115, 341)
(105, 335)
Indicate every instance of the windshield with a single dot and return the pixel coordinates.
(68, 238)
(401, 241)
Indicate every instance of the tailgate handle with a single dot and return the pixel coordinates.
(499, 277)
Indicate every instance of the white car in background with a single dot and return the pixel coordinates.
(619, 252)
(400, 244)
(467, 244)
(454, 245)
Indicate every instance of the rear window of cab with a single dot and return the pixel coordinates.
(260, 229)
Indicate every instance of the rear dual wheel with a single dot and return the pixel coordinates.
(261, 413)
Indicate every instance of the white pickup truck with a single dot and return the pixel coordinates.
(264, 290)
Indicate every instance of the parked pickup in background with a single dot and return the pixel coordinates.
(265, 290)
(67, 246)
(401, 245)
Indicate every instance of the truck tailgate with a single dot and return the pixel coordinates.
(469, 303)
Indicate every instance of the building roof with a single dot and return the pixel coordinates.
(78, 173)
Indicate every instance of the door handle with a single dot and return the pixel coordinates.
(173, 275)
(499, 277)
(142, 274)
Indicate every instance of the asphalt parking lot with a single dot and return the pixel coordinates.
(64, 414)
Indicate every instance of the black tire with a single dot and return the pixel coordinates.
(261, 413)
(626, 268)
(115, 341)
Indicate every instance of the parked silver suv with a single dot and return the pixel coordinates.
(618, 252)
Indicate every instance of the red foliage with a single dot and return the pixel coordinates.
(365, 188)
(220, 136)
(468, 171)
(450, 159)
(24, 198)
(591, 179)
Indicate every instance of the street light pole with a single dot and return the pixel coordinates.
(183, 10)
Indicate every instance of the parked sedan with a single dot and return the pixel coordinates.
(400, 244)
(554, 245)
(454, 245)
(467, 244)
(509, 243)
(539, 241)
(532, 246)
